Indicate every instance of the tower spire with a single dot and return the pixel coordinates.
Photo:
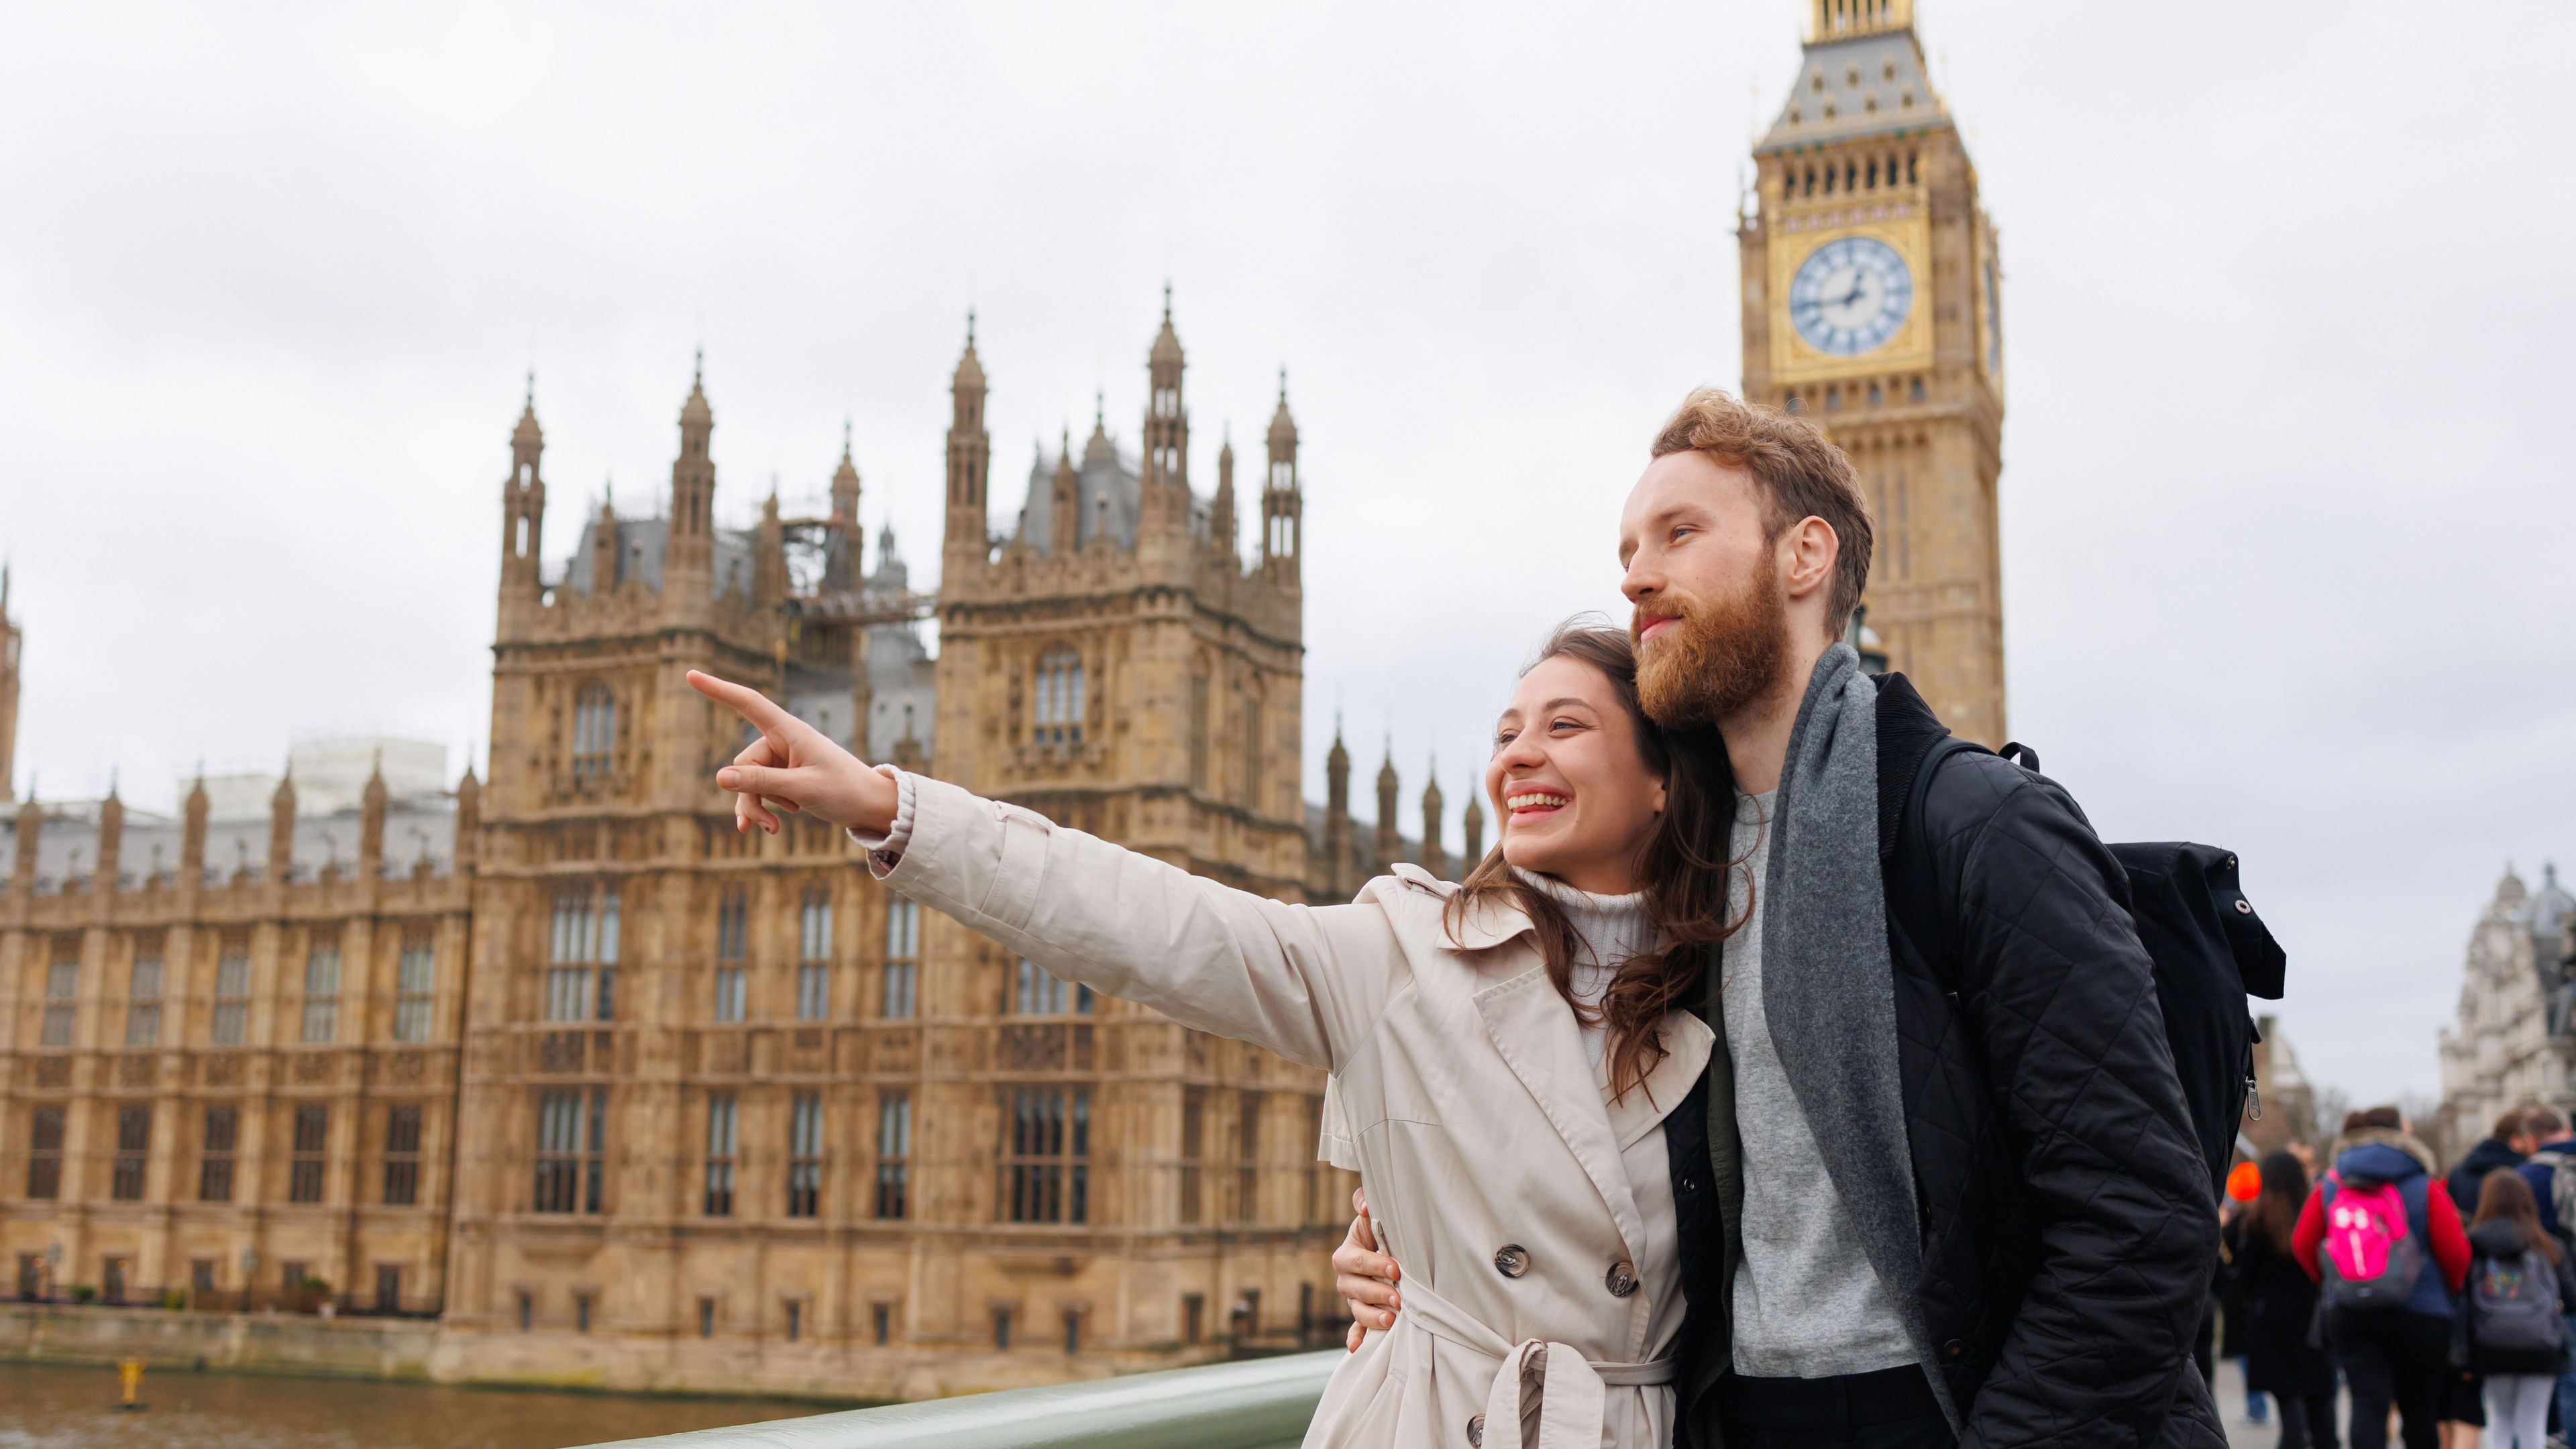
(970, 451)
(1283, 502)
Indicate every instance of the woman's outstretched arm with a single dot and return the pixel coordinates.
(1306, 983)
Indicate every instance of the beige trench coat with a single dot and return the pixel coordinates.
(1525, 1208)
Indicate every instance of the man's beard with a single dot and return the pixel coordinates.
(1716, 657)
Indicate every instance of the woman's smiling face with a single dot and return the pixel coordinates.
(1568, 781)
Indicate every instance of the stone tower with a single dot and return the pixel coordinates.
(1872, 306)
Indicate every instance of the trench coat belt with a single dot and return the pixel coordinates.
(1557, 1403)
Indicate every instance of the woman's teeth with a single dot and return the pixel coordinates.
(1534, 802)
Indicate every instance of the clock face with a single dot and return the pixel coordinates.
(1850, 296)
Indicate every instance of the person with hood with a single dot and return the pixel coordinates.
(2510, 1145)
(2399, 1353)
(2514, 1314)
(2279, 1303)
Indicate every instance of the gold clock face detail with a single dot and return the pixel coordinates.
(1850, 295)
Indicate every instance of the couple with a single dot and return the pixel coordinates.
(1674, 1141)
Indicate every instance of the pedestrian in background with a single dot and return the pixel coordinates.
(2554, 1148)
(2280, 1304)
(2509, 1145)
(2395, 1233)
(2514, 1314)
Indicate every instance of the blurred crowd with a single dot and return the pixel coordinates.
(2442, 1304)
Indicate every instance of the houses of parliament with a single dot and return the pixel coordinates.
(625, 1098)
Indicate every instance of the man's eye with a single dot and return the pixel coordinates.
(1685, 529)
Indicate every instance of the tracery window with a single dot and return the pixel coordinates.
(805, 1155)
(415, 977)
(720, 1144)
(1046, 1155)
(143, 998)
(1059, 698)
(581, 985)
(571, 1132)
(594, 730)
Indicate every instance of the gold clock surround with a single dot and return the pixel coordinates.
(1901, 226)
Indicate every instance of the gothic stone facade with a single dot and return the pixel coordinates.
(2514, 1043)
(735, 1115)
(1872, 305)
(630, 1099)
(233, 1080)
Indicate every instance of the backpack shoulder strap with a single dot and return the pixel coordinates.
(1912, 744)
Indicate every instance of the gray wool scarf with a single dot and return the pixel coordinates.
(1829, 986)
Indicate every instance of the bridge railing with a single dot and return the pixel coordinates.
(1257, 1404)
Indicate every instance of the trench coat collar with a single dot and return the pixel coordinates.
(1539, 1040)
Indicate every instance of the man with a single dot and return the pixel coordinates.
(1950, 1192)
(2507, 1146)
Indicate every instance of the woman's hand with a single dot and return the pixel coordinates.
(1364, 1276)
(791, 767)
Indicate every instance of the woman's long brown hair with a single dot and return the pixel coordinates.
(2504, 1195)
(2285, 1193)
(1682, 864)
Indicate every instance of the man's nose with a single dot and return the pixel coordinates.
(1641, 580)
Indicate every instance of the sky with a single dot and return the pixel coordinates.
(2285, 500)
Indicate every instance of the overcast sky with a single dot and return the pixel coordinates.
(2286, 495)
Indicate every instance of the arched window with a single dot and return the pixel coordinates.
(1059, 711)
(594, 730)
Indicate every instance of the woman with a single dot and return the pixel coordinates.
(1503, 1053)
(2520, 1291)
(2280, 1302)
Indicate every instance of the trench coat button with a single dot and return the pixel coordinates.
(1621, 1279)
(1476, 1432)
(1511, 1260)
(1954, 1350)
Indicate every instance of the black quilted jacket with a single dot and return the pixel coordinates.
(2069, 1228)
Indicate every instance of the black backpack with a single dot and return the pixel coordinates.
(2210, 949)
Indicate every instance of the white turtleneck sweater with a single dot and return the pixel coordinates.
(1610, 931)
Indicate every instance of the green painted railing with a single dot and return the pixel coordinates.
(1259, 1404)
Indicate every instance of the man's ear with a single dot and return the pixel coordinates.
(1809, 550)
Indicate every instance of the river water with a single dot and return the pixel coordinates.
(49, 1406)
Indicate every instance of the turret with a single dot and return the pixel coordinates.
(1434, 859)
(1166, 486)
(769, 561)
(31, 824)
(603, 549)
(111, 843)
(1337, 818)
(970, 453)
(1472, 824)
(689, 557)
(371, 823)
(469, 817)
(281, 830)
(1221, 514)
(1390, 834)
(1064, 525)
(841, 562)
(523, 503)
(1283, 506)
(192, 836)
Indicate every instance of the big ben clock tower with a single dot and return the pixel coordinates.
(1871, 307)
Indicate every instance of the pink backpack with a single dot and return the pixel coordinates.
(2368, 1258)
